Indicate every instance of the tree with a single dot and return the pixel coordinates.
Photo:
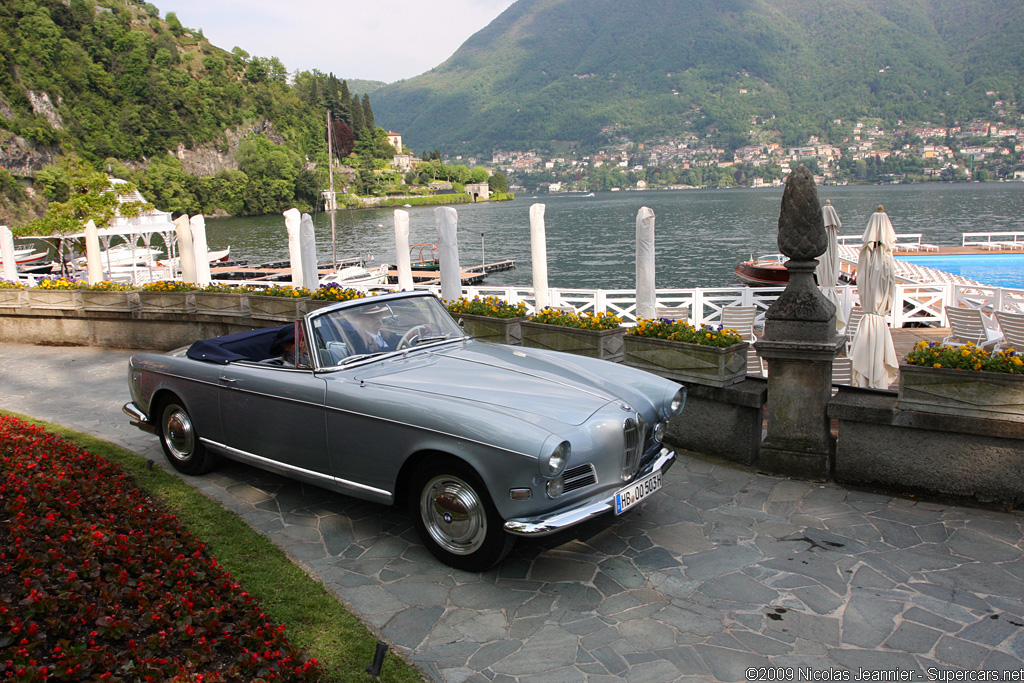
(342, 139)
(90, 196)
(498, 182)
(368, 112)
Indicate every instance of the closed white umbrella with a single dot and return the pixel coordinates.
(828, 263)
(447, 220)
(872, 353)
(404, 264)
(645, 294)
(292, 223)
(307, 247)
(186, 254)
(200, 249)
(92, 253)
(539, 255)
(7, 252)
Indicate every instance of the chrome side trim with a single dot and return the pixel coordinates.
(541, 526)
(304, 473)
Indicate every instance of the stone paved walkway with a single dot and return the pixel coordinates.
(724, 571)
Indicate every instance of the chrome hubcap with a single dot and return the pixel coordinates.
(179, 435)
(453, 514)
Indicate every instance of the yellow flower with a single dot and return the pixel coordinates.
(937, 365)
(1017, 360)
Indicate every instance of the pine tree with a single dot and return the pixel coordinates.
(368, 112)
(358, 123)
(344, 106)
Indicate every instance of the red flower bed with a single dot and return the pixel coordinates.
(98, 583)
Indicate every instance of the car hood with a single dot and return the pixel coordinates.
(500, 376)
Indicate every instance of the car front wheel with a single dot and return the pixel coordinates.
(456, 518)
(180, 440)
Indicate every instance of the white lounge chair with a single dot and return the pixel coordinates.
(971, 325)
(1012, 327)
(842, 371)
(741, 319)
(852, 323)
(674, 313)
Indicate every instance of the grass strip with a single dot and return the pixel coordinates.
(315, 620)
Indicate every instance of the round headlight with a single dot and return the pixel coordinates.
(678, 400)
(554, 463)
(554, 487)
(659, 432)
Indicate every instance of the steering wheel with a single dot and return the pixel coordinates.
(409, 338)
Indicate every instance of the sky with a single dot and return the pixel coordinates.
(380, 40)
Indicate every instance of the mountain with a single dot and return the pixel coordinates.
(553, 72)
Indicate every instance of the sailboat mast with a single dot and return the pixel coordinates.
(330, 174)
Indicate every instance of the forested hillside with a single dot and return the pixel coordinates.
(575, 71)
(196, 127)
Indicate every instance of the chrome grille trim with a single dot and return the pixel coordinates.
(578, 477)
(633, 434)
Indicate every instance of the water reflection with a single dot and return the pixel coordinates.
(700, 234)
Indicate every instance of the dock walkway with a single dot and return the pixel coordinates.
(724, 571)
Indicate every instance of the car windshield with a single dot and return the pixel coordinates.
(348, 334)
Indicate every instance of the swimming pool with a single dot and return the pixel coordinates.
(999, 270)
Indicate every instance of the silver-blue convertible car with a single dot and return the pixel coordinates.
(386, 399)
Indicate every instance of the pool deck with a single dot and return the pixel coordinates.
(725, 571)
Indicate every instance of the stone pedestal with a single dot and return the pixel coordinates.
(799, 441)
(799, 345)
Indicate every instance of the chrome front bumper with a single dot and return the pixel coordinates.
(540, 526)
(139, 418)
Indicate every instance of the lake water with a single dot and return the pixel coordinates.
(700, 235)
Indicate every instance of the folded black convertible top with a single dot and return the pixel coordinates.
(253, 345)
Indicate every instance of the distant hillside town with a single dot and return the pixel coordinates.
(864, 152)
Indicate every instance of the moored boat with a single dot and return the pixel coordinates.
(764, 271)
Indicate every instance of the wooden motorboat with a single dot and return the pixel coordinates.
(764, 271)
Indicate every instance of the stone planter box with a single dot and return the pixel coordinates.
(105, 301)
(12, 298)
(235, 304)
(992, 395)
(55, 299)
(313, 305)
(710, 365)
(497, 330)
(167, 302)
(604, 344)
(276, 308)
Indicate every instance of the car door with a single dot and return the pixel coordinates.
(276, 413)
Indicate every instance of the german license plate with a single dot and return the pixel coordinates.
(634, 493)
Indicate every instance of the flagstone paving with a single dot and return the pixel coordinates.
(726, 575)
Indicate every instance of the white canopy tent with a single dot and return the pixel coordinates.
(539, 255)
(646, 296)
(447, 220)
(872, 353)
(828, 264)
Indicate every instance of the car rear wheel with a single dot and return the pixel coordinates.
(180, 440)
(456, 518)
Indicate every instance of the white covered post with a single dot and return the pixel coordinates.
(307, 243)
(539, 255)
(7, 252)
(646, 296)
(292, 222)
(404, 263)
(447, 220)
(92, 253)
(201, 251)
(186, 254)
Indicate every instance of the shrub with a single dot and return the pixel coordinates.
(680, 331)
(169, 286)
(966, 357)
(98, 583)
(335, 293)
(490, 306)
(282, 291)
(586, 321)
